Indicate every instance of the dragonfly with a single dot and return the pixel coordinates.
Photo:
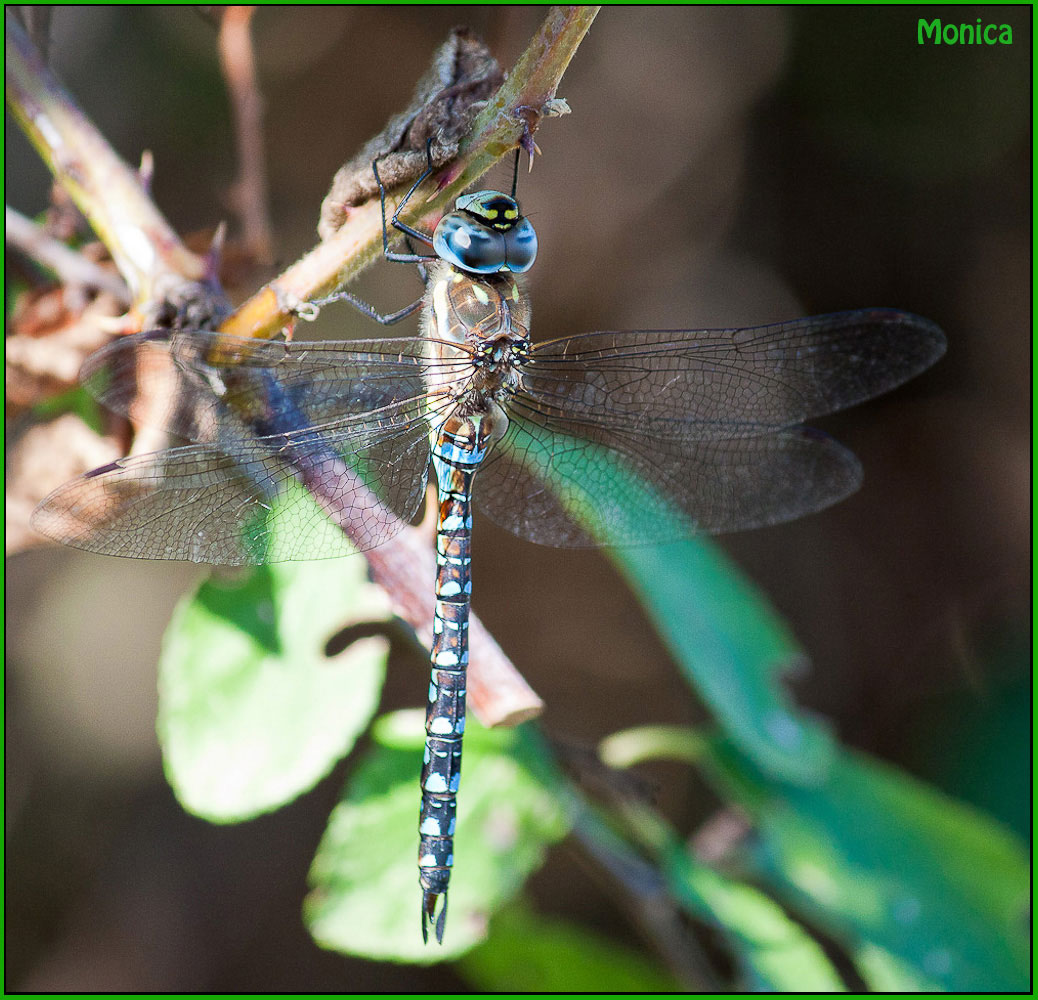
(614, 437)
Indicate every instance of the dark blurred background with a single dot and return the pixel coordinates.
(721, 167)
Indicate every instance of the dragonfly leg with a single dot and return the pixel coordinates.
(423, 271)
(386, 319)
(406, 258)
(310, 310)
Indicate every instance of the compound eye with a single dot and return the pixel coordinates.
(466, 244)
(520, 247)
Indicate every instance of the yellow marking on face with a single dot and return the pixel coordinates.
(511, 213)
(490, 213)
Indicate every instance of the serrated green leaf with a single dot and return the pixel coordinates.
(924, 891)
(252, 713)
(365, 899)
(733, 647)
(527, 953)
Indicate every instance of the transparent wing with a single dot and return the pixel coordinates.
(289, 436)
(643, 436)
(709, 384)
(188, 381)
(248, 500)
(628, 488)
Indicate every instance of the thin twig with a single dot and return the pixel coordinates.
(157, 267)
(70, 267)
(653, 904)
(37, 19)
(249, 193)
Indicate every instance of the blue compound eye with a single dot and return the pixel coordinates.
(486, 233)
(465, 243)
(520, 247)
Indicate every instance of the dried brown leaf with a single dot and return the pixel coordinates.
(462, 76)
(43, 458)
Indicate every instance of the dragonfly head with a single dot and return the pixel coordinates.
(486, 233)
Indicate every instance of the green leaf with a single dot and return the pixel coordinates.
(75, 400)
(365, 899)
(734, 649)
(926, 893)
(772, 951)
(732, 646)
(640, 743)
(886, 973)
(529, 953)
(252, 713)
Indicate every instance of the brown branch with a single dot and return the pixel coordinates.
(461, 78)
(249, 194)
(157, 267)
(70, 267)
(405, 567)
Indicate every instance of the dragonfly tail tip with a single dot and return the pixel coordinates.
(429, 916)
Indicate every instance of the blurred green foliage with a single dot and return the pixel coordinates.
(920, 891)
(365, 899)
(252, 712)
(75, 400)
(904, 877)
(530, 953)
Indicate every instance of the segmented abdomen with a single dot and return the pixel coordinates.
(460, 446)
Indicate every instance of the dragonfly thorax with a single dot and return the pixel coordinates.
(475, 310)
(486, 234)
